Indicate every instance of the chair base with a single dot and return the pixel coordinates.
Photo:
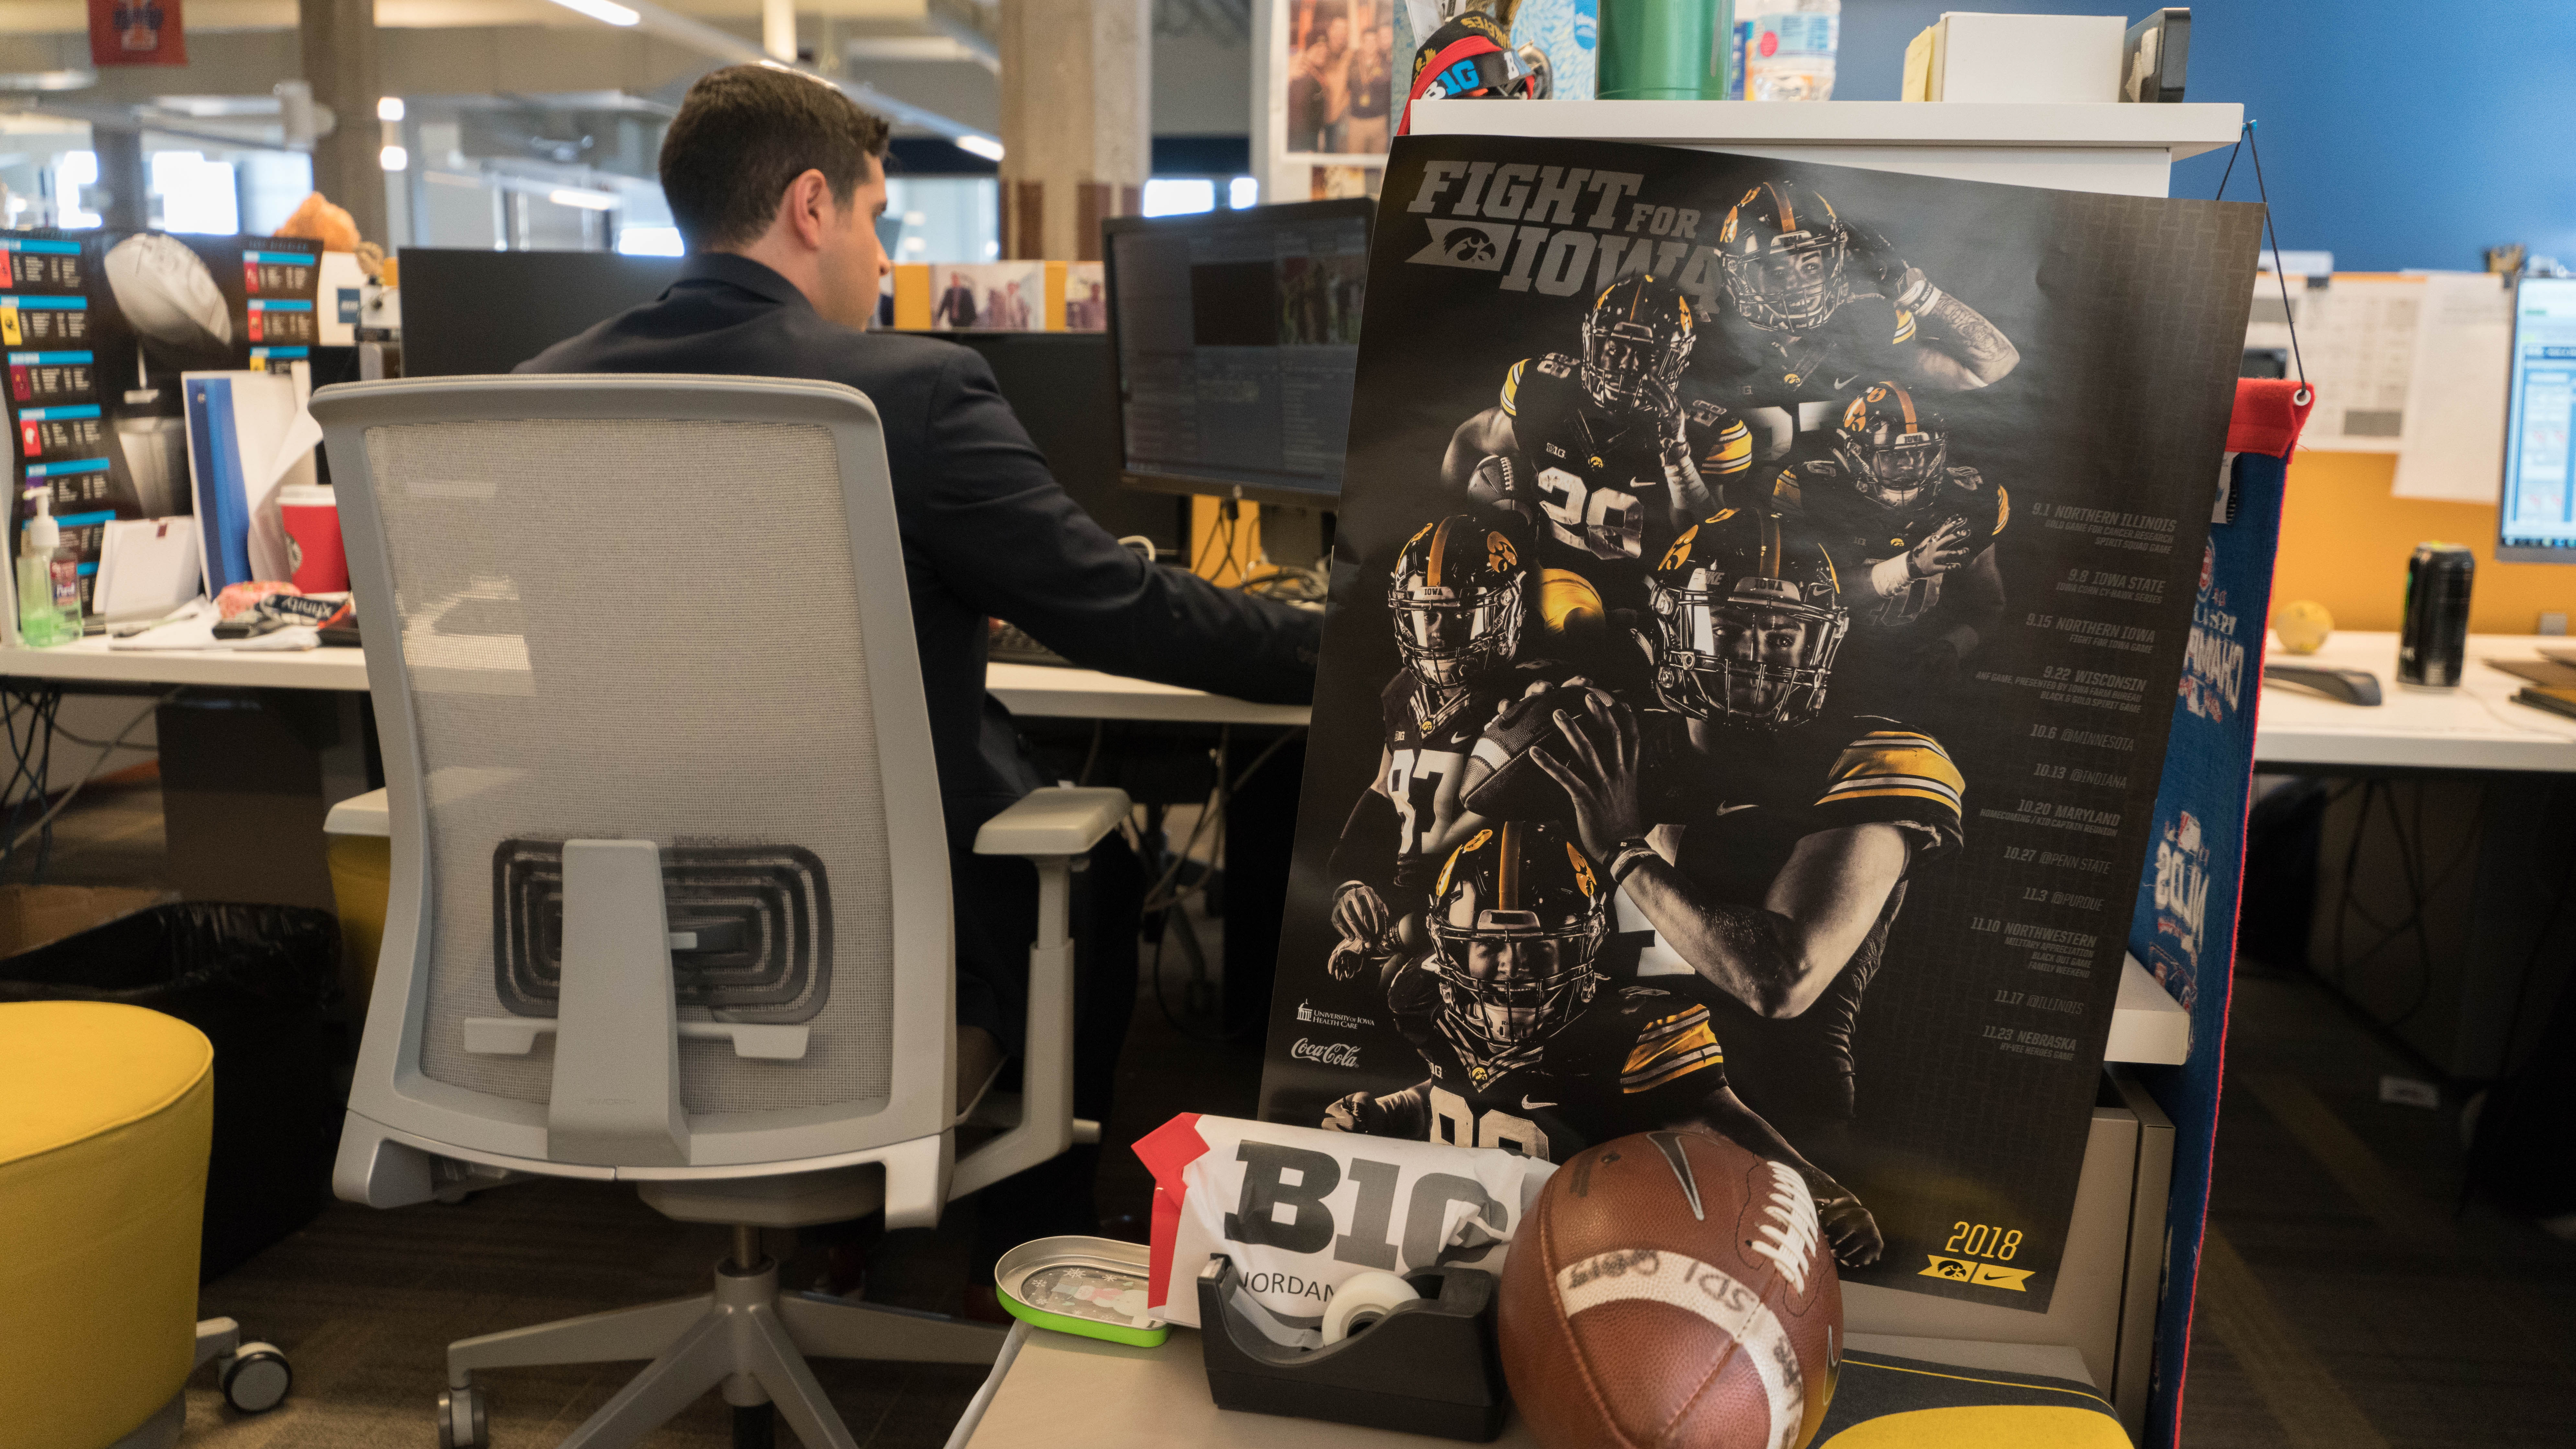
(746, 1338)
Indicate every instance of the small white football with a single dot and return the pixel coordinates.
(164, 289)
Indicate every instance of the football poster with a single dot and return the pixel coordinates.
(1758, 597)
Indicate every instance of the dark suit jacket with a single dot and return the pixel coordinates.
(986, 528)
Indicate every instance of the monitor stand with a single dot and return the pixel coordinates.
(1292, 538)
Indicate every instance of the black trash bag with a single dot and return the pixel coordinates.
(263, 984)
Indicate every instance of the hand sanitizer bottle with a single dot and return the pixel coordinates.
(48, 582)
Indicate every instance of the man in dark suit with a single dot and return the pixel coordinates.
(775, 181)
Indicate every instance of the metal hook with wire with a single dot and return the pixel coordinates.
(2280, 273)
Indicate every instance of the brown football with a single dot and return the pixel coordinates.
(1672, 1289)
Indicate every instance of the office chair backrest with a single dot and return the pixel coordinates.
(668, 609)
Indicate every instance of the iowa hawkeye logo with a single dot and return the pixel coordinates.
(1975, 1274)
(1477, 245)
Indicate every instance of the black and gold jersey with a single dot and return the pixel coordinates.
(1742, 811)
(1639, 1057)
(1859, 533)
(1744, 366)
(1428, 740)
(1595, 489)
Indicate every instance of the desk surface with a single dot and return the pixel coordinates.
(1027, 689)
(2474, 727)
(91, 661)
(1047, 690)
(1064, 1392)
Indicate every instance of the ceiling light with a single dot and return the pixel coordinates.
(390, 108)
(607, 10)
(586, 200)
(393, 158)
(984, 146)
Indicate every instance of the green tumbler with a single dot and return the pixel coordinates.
(1665, 50)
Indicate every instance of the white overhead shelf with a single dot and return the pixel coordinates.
(2110, 146)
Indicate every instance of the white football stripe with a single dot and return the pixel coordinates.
(1713, 1294)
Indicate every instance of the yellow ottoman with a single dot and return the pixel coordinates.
(105, 1116)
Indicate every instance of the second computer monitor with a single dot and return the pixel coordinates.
(1237, 337)
(2537, 522)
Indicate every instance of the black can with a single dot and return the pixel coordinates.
(2433, 643)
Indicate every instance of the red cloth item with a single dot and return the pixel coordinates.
(2269, 415)
(1165, 1151)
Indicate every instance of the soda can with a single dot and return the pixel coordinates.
(2433, 642)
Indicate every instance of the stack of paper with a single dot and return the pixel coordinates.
(146, 568)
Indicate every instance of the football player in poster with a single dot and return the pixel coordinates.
(1601, 452)
(1529, 1049)
(1766, 839)
(1459, 604)
(1819, 303)
(1911, 534)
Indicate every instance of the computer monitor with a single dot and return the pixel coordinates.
(1064, 390)
(473, 312)
(2537, 522)
(1237, 337)
(469, 313)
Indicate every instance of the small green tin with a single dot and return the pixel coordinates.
(1095, 1287)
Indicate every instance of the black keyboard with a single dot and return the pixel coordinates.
(1012, 645)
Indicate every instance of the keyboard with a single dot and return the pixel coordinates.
(1011, 644)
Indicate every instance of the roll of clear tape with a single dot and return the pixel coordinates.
(1362, 1300)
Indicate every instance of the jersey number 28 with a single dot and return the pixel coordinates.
(1608, 522)
(1455, 1123)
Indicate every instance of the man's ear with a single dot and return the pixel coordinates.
(807, 208)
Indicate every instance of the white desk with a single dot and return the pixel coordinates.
(2474, 727)
(1040, 690)
(1064, 1392)
(92, 662)
(1027, 689)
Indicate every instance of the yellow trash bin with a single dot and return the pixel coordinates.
(358, 845)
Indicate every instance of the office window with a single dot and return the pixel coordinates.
(73, 171)
(650, 241)
(1179, 195)
(273, 184)
(943, 218)
(193, 194)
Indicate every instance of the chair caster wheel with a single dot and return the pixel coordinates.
(255, 1377)
(460, 1419)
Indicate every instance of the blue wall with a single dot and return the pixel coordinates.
(2393, 135)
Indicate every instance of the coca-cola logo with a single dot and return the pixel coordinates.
(1326, 1053)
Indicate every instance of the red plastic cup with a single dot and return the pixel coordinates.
(319, 564)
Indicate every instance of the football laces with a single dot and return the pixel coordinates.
(1789, 1230)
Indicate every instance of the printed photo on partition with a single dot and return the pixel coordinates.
(1014, 297)
(1340, 76)
(1086, 307)
(1741, 707)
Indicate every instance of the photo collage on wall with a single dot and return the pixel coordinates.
(97, 328)
(1756, 595)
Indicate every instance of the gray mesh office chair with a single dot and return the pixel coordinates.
(670, 889)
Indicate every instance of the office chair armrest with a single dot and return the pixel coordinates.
(1054, 828)
(1060, 820)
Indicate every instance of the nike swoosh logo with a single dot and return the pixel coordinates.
(1529, 1106)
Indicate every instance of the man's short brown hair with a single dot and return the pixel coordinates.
(745, 132)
